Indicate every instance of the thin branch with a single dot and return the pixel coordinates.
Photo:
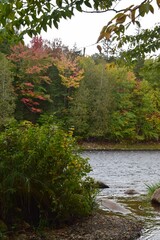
(114, 10)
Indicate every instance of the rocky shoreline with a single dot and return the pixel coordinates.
(99, 226)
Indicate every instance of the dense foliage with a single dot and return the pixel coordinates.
(33, 16)
(42, 175)
(112, 104)
(43, 178)
(7, 95)
(100, 97)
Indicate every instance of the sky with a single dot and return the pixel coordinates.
(83, 29)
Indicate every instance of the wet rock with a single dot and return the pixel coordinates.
(131, 192)
(156, 196)
(101, 184)
(156, 206)
(113, 206)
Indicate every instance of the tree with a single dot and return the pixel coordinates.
(32, 16)
(146, 107)
(151, 71)
(65, 76)
(121, 116)
(7, 95)
(6, 41)
(92, 101)
(30, 73)
(70, 74)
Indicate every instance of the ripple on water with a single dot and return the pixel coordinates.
(123, 170)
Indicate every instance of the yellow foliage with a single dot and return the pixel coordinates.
(110, 66)
(69, 71)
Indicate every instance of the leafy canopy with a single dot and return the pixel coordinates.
(33, 15)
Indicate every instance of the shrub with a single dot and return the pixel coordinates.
(42, 175)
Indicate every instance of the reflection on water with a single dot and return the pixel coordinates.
(123, 170)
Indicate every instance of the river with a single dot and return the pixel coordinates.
(122, 170)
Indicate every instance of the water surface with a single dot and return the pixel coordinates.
(122, 170)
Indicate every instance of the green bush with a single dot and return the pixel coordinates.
(42, 175)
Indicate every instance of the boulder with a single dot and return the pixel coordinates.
(113, 206)
(101, 184)
(156, 196)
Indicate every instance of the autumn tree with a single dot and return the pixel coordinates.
(7, 95)
(69, 71)
(66, 75)
(30, 73)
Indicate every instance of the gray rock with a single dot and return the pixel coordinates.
(101, 184)
(113, 206)
(156, 196)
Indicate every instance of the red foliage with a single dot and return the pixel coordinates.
(36, 110)
(41, 98)
(31, 64)
(37, 42)
(28, 84)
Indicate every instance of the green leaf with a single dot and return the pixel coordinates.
(147, 7)
(27, 21)
(63, 13)
(50, 23)
(48, 5)
(19, 4)
(59, 3)
(69, 13)
(7, 9)
(78, 6)
(138, 23)
(30, 33)
(121, 19)
(133, 13)
(55, 24)
(87, 3)
(44, 26)
(151, 8)
(143, 9)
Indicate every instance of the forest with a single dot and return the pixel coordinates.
(101, 97)
(51, 95)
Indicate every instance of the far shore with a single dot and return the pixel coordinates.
(148, 146)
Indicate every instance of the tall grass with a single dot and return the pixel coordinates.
(152, 188)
